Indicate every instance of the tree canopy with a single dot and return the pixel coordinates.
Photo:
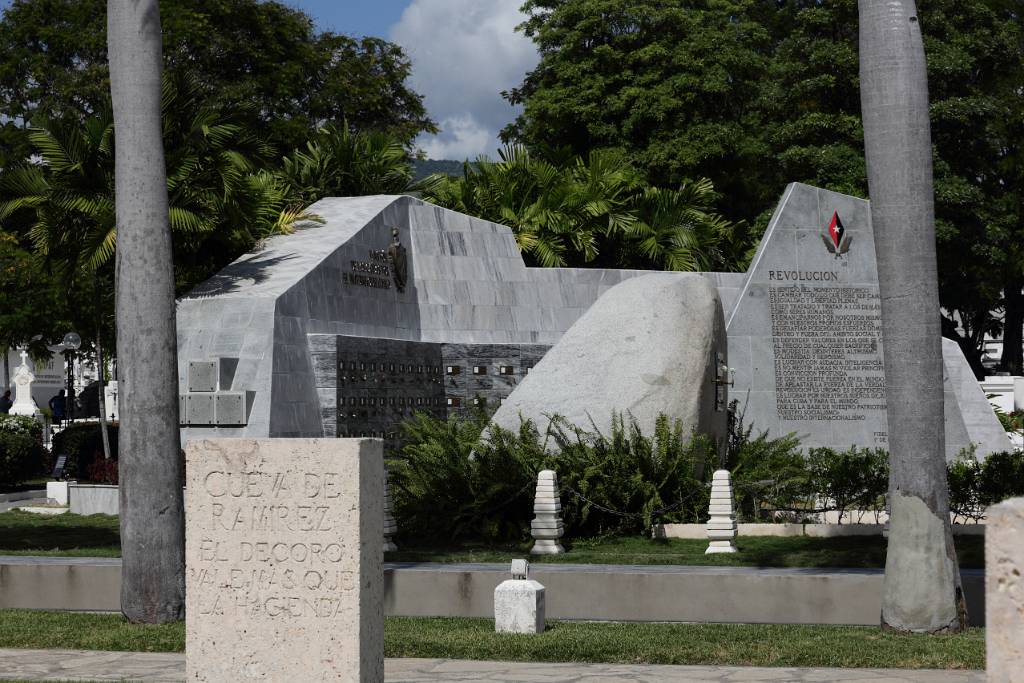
(755, 94)
(264, 57)
(596, 211)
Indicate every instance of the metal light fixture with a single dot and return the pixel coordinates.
(72, 342)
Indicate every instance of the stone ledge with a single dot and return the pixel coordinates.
(586, 592)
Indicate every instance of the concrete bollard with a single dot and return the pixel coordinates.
(722, 523)
(1004, 592)
(546, 527)
(519, 602)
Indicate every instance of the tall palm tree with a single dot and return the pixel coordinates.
(593, 211)
(922, 590)
(150, 469)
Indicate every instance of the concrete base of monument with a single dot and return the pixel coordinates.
(581, 592)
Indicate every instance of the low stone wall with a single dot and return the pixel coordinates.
(699, 531)
(91, 499)
(583, 592)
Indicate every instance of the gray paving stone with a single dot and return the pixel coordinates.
(56, 665)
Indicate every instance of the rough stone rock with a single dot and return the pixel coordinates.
(647, 346)
(1004, 592)
(284, 575)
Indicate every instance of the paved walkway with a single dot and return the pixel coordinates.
(84, 665)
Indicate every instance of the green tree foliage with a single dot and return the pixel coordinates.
(340, 163)
(266, 56)
(596, 211)
(671, 84)
(31, 310)
(756, 94)
(222, 199)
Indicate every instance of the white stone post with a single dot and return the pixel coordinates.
(546, 527)
(519, 602)
(722, 524)
(390, 525)
(1004, 591)
(23, 378)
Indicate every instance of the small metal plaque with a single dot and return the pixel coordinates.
(199, 409)
(202, 375)
(230, 408)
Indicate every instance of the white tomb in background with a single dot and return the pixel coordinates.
(23, 378)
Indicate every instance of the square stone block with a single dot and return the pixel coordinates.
(230, 408)
(202, 375)
(199, 409)
(519, 607)
(284, 550)
(547, 508)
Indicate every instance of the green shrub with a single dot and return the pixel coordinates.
(447, 485)
(625, 481)
(1001, 477)
(963, 478)
(21, 449)
(450, 483)
(857, 478)
(83, 444)
(768, 475)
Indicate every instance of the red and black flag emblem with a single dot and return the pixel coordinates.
(835, 238)
(836, 229)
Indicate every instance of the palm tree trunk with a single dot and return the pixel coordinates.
(150, 470)
(922, 590)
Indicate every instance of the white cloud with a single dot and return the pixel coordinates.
(464, 53)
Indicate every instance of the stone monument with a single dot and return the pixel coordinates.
(392, 306)
(23, 378)
(722, 524)
(1004, 592)
(546, 527)
(283, 552)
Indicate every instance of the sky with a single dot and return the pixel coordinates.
(463, 52)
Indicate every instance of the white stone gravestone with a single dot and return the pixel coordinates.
(23, 378)
(284, 560)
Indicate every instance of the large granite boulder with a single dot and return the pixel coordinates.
(649, 345)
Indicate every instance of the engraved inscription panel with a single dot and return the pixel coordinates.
(828, 364)
(283, 549)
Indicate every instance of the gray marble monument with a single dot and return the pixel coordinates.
(392, 305)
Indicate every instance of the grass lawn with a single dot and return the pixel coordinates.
(698, 644)
(755, 551)
(23, 533)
